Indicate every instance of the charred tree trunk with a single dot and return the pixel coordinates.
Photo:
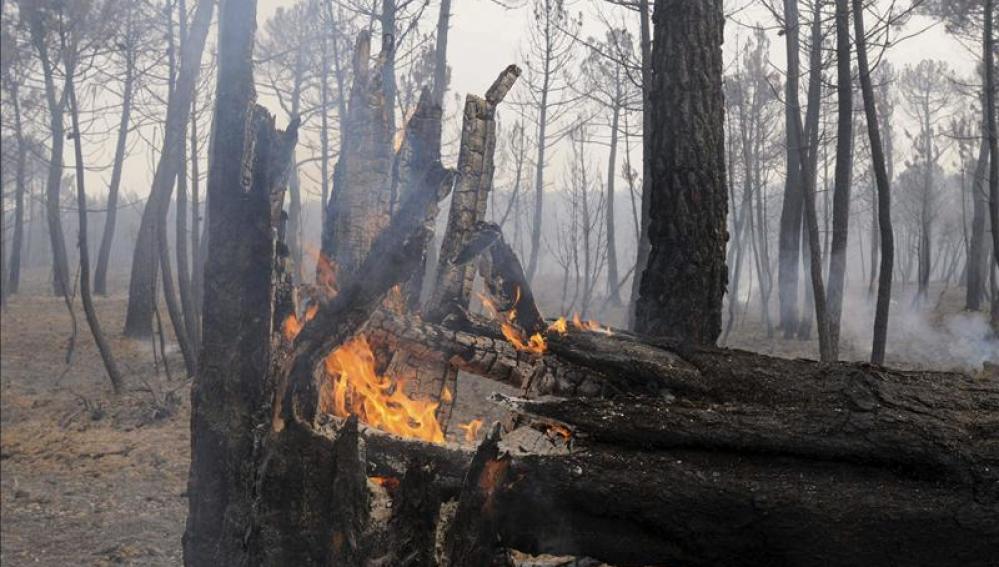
(642, 258)
(977, 260)
(993, 137)
(453, 289)
(142, 282)
(360, 206)
(887, 238)
(844, 170)
(790, 218)
(689, 201)
(53, 185)
(231, 395)
(81, 205)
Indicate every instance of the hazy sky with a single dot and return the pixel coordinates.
(485, 37)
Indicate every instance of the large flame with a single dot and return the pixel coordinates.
(377, 400)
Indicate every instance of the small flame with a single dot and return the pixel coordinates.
(589, 325)
(447, 396)
(387, 482)
(292, 326)
(471, 429)
(535, 344)
(560, 326)
(326, 271)
(400, 135)
(377, 400)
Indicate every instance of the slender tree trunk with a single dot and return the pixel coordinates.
(20, 165)
(990, 121)
(790, 217)
(440, 53)
(613, 285)
(294, 231)
(977, 261)
(53, 185)
(844, 168)
(81, 205)
(642, 228)
(142, 283)
(197, 257)
(688, 190)
(884, 190)
(539, 174)
(324, 130)
(111, 217)
(183, 262)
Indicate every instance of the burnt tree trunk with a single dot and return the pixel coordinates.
(360, 206)
(684, 281)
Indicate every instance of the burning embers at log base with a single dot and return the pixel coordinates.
(382, 402)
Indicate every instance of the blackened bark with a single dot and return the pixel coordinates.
(844, 169)
(453, 289)
(684, 281)
(231, 395)
(977, 262)
(360, 206)
(53, 184)
(789, 242)
(990, 121)
(613, 283)
(642, 224)
(81, 205)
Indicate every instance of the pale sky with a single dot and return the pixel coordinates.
(485, 37)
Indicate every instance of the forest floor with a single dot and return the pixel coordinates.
(90, 479)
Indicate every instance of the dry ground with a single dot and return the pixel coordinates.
(90, 479)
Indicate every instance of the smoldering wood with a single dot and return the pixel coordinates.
(453, 288)
(473, 538)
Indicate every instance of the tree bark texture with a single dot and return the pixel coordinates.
(360, 207)
(684, 281)
(453, 289)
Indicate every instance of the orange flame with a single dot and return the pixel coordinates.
(447, 396)
(471, 429)
(326, 271)
(535, 344)
(589, 325)
(292, 327)
(559, 326)
(387, 482)
(377, 400)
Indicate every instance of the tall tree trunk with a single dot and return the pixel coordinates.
(613, 285)
(53, 185)
(978, 263)
(81, 206)
(990, 121)
(642, 257)
(142, 283)
(294, 231)
(183, 261)
(111, 217)
(684, 281)
(844, 168)
(13, 272)
(789, 242)
(884, 189)
(539, 174)
(197, 257)
(440, 53)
